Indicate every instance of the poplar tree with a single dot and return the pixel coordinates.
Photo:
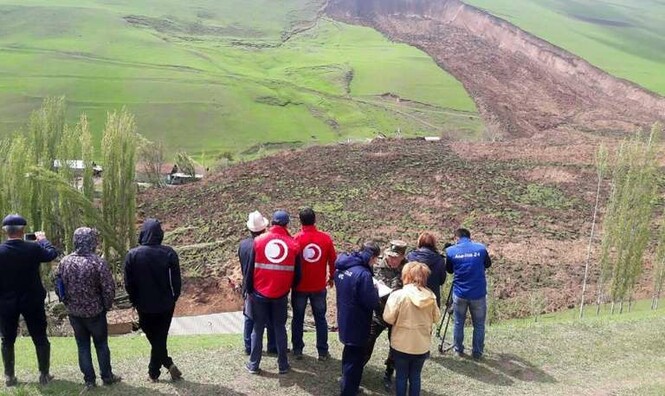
(118, 185)
(627, 224)
(601, 167)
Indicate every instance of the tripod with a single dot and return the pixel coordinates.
(447, 314)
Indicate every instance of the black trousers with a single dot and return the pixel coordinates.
(156, 329)
(375, 330)
(35, 318)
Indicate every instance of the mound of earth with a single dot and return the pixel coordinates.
(519, 81)
(529, 200)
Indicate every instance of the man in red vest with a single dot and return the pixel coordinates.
(274, 270)
(318, 268)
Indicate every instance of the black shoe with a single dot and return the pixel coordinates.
(152, 379)
(113, 380)
(324, 357)
(285, 370)
(176, 375)
(89, 386)
(45, 378)
(10, 380)
(477, 356)
(297, 355)
(250, 370)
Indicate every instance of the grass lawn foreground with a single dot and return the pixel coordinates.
(617, 355)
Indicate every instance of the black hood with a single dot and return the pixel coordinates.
(151, 233)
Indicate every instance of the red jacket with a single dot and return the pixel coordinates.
(275, 257)
(318, 253)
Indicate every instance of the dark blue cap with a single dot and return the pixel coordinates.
(280, 217)
(14, 220)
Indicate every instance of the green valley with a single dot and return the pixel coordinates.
(213, 77)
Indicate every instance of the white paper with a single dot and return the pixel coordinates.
(382, 288)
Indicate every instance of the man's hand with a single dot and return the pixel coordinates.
(40, 235)
(331, 282)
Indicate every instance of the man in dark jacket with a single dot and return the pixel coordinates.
(467, 261)
(274, 270)
(256, 224)
(88, 294)
(389, 272)
(428, 254)
(22, 293)
(152, 280)
(357, 298)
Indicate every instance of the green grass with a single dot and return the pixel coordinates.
(619, 355)
(213, 76)
(622, 37)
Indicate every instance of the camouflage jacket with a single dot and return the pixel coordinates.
(392, 277)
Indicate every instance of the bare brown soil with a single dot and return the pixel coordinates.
(529, 201)
(521, 82)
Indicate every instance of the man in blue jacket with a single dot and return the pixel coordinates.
(357, 297)
(467, 261)
(22, 293)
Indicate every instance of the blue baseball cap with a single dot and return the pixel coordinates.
(280, 217)
(14, 220)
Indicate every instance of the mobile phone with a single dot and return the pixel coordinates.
(30, 236)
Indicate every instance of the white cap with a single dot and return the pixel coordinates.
(256, 222)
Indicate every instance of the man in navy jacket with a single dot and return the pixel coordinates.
(22, 293)
(467, 261)
(357, 297)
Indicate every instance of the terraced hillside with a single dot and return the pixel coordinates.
(215, 76)
(530, 200)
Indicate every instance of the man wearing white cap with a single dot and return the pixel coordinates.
(257, 225)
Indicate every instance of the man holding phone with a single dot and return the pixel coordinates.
(22, 293)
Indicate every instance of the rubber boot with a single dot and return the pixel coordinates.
(8, 361)
(44, 362)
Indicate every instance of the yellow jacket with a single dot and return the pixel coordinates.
(411, 311)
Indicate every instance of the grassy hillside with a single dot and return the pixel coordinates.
(622, 37)
(213, 76)
(617, 355)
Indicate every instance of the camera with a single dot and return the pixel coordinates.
(30, 236)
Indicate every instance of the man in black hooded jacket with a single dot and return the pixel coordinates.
(152, 280)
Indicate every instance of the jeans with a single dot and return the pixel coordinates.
(408, 369)
(375, 330)
(156, 328)
(319, 307)
(97, 328)
(249, 327)
(353, 363)
(262, 309)
(478, 310)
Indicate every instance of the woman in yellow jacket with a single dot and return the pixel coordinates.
(411, 311)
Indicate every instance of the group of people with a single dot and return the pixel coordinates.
(85, 285)
(376, 291)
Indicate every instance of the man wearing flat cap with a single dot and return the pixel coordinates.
(274, 270)
(22, 293)
(389, 272)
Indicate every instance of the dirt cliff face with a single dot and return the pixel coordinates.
(523, 83)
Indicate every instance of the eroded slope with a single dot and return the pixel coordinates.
(520, 81)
